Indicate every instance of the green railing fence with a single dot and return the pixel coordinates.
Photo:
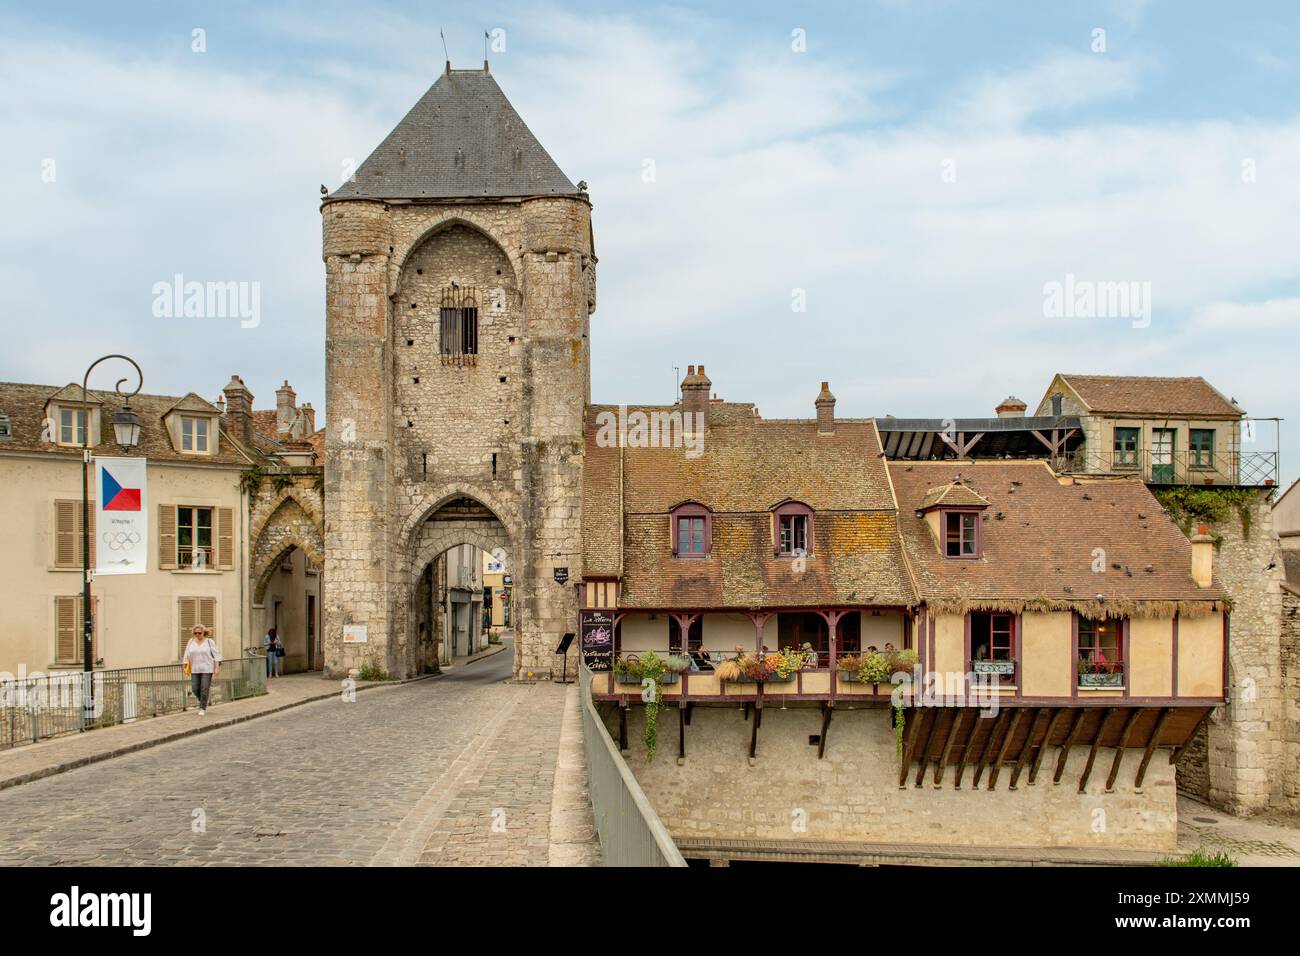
(631, 833)
(48, 705)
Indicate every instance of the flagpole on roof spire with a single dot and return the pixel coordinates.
(444, 51)
(485, 51)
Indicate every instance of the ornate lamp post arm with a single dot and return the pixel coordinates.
(87, 609)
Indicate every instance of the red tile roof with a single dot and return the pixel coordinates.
(1151, 395)
(1039, 540)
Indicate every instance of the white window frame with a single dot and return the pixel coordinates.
(79, 424)
(196, 434)
(189, 562)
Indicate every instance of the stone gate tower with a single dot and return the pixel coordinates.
(460, 278)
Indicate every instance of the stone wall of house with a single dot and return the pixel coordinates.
(1290, 770)
(852, 794)
(1238, 761)
(410, 431)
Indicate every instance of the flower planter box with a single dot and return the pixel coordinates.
(850, 677)
(670, 677)
(1101, 680)
(1001, 668)
(778, 679)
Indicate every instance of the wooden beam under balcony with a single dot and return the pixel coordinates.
(957, 716)
(989, 746)
(1002, 747)
(1152, 742)
(1047, 740)
(1178, 751)
(1133, 716)
(925, 748)
(1028, 746)
(1092, 752)
(909, 736)
(1075, 729)
(827, 710)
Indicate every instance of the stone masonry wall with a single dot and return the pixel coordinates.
(852, 794)
(1291, 700)
(504, 429)
(1238, 764)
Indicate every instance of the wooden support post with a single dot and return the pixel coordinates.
(957, 714)
(622, 725)
(827, 711)
(1178, 751)
(753, 732)
(1002, 748)
(1152, 743)
(1092, 751)
(1070, 740)
(989, 745)
(909, 735)
(689, 709)
(1042, 747)
(681, 732)
(925, 748)
(1133, 716)
(969, 747)
(1029, 744)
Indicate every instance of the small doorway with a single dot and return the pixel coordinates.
(311, 632)
(1162, 456)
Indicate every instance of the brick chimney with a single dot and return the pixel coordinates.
(695, 398)
(1011, 407)
(308, 415)
(239, 409)
(1202, 557)
(285, 408)
(825, 411)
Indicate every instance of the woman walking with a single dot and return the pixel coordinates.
(202, 661)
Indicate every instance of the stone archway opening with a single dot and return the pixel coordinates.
(286, 583)
(463, 594)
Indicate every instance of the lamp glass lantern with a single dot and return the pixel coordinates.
(126, 427)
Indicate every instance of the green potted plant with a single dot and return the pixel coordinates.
(674, 666)
(874, 668)
(847, 666)
(627, 670)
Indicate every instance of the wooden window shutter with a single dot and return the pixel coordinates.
(208, 615)
(69, 624)
(67, 634)
(225, 538)
(167, 539)
(187, 614)
(67, 535)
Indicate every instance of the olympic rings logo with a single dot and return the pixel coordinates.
(121, 540)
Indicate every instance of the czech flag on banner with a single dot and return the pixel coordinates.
(121, 516)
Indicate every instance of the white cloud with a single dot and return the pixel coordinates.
(775, 171)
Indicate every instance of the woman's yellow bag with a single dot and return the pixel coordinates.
(187, 668)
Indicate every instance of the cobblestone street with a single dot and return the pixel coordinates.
(458, 770)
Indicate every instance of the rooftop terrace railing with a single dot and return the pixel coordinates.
(49, 705)
(1239, 469)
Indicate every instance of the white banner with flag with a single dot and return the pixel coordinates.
(121, 516)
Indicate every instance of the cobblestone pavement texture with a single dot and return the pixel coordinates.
(458, 770)
(1252, 841)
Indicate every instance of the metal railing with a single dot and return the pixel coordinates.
(631, 833)
(49, 705)
(1246, 469)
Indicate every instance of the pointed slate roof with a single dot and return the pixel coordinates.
(462, 139)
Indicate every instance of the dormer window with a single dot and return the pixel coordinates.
(961, 534)
(194, 434)
(692, 531)
(793, 525)
(72, 425)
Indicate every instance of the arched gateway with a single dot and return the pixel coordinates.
(460, 278)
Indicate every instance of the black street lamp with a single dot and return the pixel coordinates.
(126, 429)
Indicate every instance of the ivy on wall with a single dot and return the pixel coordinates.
(1189, 506)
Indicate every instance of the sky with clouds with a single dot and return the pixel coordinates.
(919, 171)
